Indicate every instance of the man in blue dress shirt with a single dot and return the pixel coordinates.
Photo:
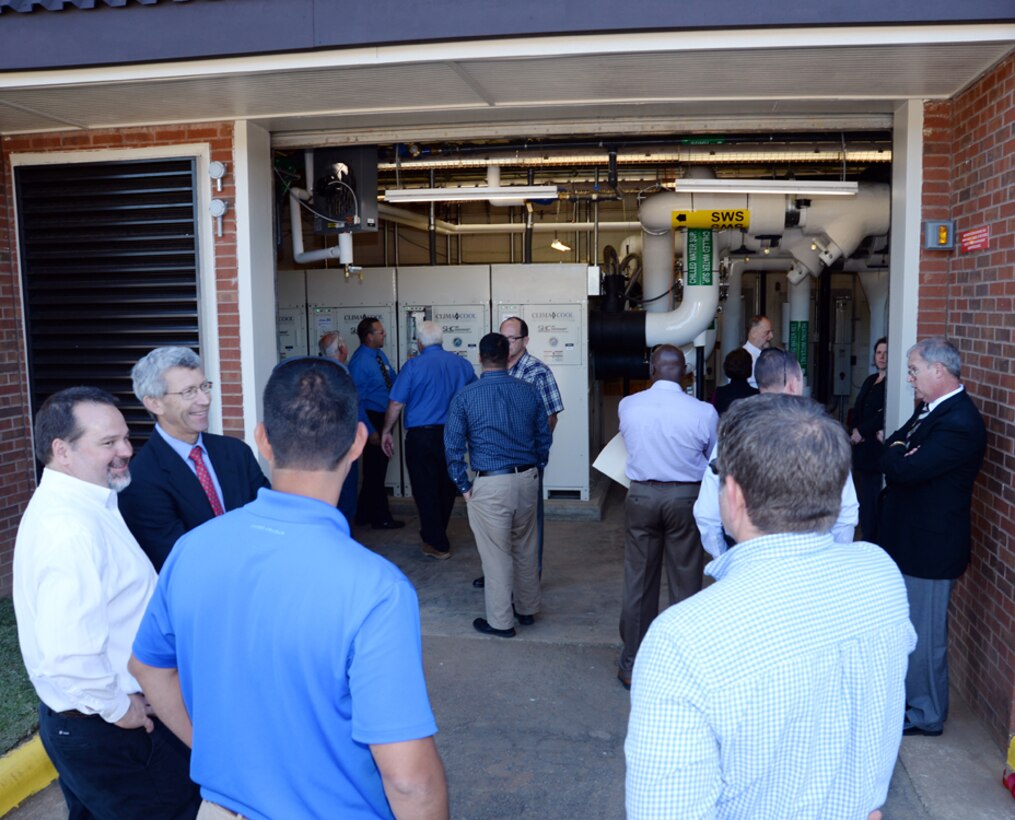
(373, 375)
(502, 423)
(798, 710)
(425, 388)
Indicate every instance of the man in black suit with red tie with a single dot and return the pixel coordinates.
(184, 475)
(930, 466)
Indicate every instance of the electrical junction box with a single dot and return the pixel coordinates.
(939, 236)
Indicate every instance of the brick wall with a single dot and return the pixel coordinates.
(17, 474)
(969, 162)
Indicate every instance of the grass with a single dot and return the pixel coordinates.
(19, 705)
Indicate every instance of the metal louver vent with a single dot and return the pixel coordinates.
(109, 262)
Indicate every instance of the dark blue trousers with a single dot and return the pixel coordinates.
(109, 773)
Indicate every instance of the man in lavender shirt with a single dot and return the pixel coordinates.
(668, 435)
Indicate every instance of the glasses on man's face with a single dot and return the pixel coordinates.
(191, 392)
(713, 465)
(514, 338)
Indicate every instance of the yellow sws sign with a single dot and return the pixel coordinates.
(717, 220)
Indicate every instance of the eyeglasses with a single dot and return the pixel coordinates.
(713, 465)
(514, 338)
(191, 392)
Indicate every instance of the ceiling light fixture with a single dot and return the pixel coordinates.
(790, 187)
(477, 194)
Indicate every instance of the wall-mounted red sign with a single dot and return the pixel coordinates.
(978, 239)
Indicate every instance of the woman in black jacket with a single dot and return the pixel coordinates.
(737, 366)
(868, 441)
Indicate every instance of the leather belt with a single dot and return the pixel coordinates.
(666, 483)
(71, 713)
(426, 427)
(506, 471)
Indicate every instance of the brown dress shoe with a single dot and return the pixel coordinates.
(433, 552)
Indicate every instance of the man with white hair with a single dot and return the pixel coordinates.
(930, 466)
(425, 387)
(184, 475)
(777, 372)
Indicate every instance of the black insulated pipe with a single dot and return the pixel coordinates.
(615, 333)
(699, 373)
(620, 366)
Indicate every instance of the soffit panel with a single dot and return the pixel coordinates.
(805, 80)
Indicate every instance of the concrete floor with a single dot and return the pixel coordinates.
(534, 726)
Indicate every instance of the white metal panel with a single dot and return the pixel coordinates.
(552, 300)
(335, 302)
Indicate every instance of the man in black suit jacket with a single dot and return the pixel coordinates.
(184, 475)
(930, 466)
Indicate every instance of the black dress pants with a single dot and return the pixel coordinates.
(432, 489)
(111, 773)
(373, 495)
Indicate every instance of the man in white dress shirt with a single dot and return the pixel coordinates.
(668, 436)
(81, 585)
(759, 337)
(777, 372)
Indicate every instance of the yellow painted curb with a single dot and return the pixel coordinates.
(23, 772)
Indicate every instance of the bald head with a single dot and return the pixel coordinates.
(667, 364)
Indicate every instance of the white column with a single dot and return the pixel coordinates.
(904, 284)
(255, 262)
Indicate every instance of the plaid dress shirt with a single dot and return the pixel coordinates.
(777, 692)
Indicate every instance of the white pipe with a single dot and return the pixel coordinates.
(493, 180)
(342, 251)
(838, 228)
(697, 310)
(875, 287)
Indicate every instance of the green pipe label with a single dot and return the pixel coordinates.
(699, 257)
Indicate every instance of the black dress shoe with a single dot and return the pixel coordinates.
(390, 524)
(624, 678)
(481, 625)
(524, 620)
(919, 731)
(480, 582)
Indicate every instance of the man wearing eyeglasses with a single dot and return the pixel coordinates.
(184, 475)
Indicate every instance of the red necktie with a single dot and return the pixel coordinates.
(206, 483)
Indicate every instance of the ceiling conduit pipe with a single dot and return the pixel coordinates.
(410, 219)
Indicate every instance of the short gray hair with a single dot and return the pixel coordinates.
(790, 458)
(775, 368)
(147, 375)
(429, 333)
(938, 350)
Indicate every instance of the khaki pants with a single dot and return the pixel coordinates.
(213, 811)
(502, 514)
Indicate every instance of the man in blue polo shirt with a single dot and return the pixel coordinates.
(425, 388)
(287, 655)
(373, 375)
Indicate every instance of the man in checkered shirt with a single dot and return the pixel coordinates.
(794, 708)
